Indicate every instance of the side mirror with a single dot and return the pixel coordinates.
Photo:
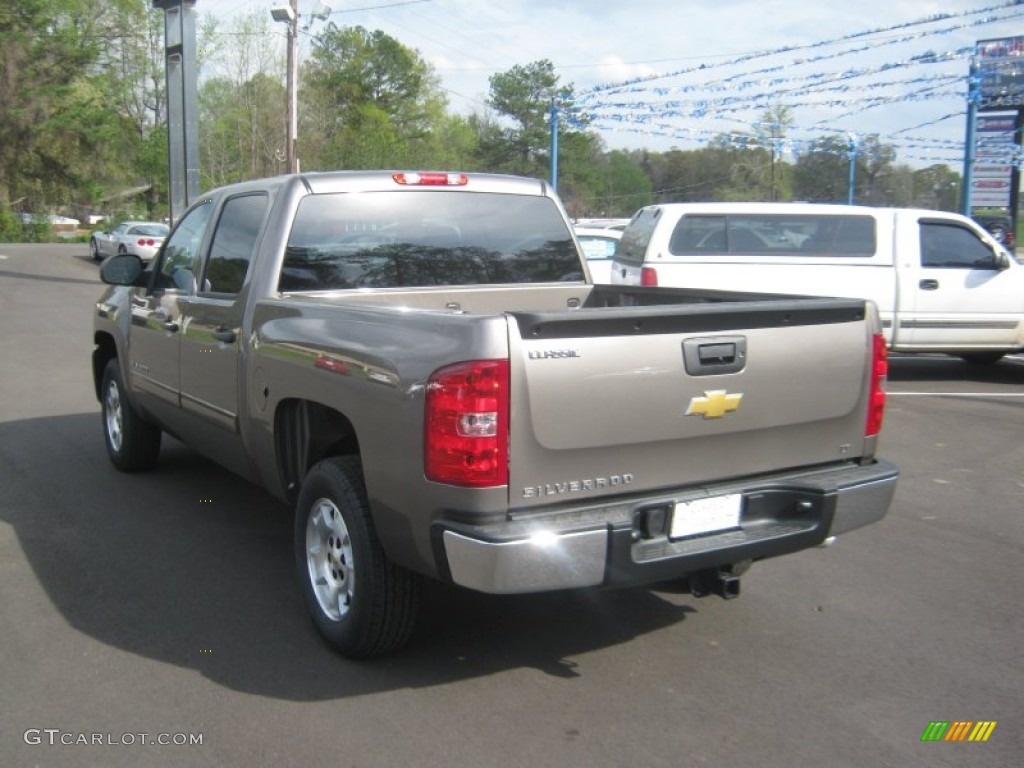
(1002, 259)
(122, 269)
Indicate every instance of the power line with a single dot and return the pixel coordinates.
(820, 44)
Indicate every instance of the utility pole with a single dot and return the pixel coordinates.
(293, 87)
(851, 183)
(290, 15)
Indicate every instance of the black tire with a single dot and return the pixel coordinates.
(94, 250)
(122, 251)
(982, 358)
(362, 604)
(132, 443)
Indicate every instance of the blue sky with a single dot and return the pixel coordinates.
(688, 70)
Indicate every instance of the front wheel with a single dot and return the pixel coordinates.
(132, 443)
(94, 250)
(362, 604)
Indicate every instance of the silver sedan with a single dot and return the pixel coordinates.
(143, 238)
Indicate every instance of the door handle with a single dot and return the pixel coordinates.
(225, 335)
(928, 285)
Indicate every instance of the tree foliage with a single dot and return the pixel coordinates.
(83, 112)
(368, 101)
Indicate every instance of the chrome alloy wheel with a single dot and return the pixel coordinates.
(329, 559)
(113, 417)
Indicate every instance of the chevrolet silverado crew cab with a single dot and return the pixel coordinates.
(419, 364)
(940, 281)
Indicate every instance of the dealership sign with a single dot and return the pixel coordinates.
(994, 150)
(1000, 72)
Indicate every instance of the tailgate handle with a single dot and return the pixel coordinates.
(708, 356)
(716, 354)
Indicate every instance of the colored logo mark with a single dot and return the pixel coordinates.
(714, 405)
(958, 730)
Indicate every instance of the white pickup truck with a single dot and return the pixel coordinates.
(941, 282)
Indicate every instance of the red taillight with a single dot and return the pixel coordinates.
(144, 241)
(431, 179)
(649, 276)
(465, 439)
(879, 374)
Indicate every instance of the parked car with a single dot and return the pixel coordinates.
(142, 238)
(599, 246)
(616, 224)
(1001, 228)
(55, 221)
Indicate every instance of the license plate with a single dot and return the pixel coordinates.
(717, 513)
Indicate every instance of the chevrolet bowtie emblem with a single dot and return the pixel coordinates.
(714, 405)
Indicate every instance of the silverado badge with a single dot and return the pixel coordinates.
(714, 405)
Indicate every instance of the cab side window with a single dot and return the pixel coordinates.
(181, 252)
(234, 241)
(953, 247)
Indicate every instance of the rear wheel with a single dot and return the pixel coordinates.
(132, 443)
(94, 250)
(362, 604)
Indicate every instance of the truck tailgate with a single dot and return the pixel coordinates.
(627, 399)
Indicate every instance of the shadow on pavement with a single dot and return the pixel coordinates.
(1009, 370)
(192, 566)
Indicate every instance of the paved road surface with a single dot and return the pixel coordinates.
(165, 605)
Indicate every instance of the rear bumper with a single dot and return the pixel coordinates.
(614, 545)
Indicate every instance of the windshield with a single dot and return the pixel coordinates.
(153, 230)
(426, 238)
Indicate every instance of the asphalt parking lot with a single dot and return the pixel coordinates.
(144, 613)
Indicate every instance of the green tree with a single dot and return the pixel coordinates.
(822, 170)
(936, 187)
(874, 170)
(131, 82)
(243, 109)
(368, 101)
(46, 46)
(771, 131)
(524, 95)
(605, 185)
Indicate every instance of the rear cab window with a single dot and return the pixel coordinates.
(408, 239)
(637, 237)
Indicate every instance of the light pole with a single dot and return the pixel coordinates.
(851, 182)
(290, 16)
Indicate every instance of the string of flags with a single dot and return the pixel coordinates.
(654, 105)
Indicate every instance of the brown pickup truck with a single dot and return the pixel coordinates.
(420, 364)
